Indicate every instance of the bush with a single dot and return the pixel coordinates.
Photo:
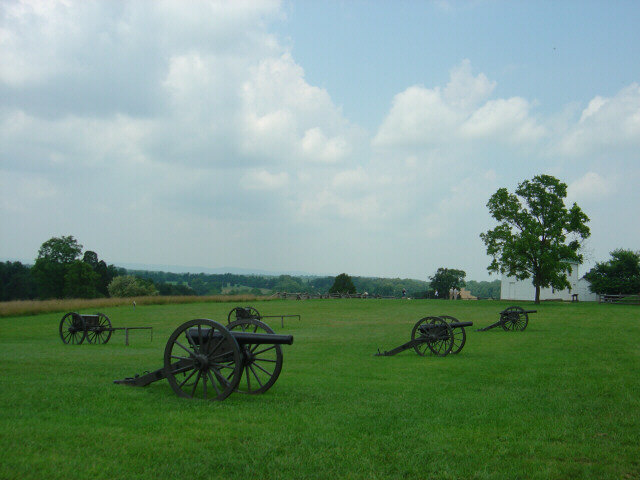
(130, 286)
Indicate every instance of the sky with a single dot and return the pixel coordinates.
(318, 137)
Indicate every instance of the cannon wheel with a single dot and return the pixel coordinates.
(262, 363)
(72, 329)
(234, 313)
(459, 335)
(440, 347)
(100, 333)
(517, 319)
(216, 364)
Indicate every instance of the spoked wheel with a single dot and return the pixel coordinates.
(202, 360)
(240, 313)
(459, 335)
(439, 339)
(72, 329)
(101, 332)
(262, 363)
(517, 319)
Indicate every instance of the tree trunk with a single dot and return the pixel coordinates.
(537, 294)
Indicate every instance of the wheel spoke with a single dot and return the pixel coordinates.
(184, 348)
(258, 366)
(193, 391)
(265, 350)
(213, 382)
(256, 375)
(188, 377)
(264, 360)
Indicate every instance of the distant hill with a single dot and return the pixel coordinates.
(218, 270)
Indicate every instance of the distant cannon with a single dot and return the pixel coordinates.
(204, 359)
(511, 319)
(440, 335)
(96, 328)
(243, 313)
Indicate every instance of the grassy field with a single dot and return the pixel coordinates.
(560, 400)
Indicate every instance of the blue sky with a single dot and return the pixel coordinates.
(556, 52)
(325, 137)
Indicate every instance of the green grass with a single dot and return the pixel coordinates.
(560, 400)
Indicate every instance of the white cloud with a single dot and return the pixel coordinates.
(590, 186)
(263, 180)
(503, 120)
(421, 116)
(609, 124)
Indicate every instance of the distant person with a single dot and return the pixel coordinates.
(404, 293)
(451, 293)
(134, 304)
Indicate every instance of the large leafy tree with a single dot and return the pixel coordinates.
(54, 257)
(620, 275)
(537, 237)
(445, 279)
(343, 284)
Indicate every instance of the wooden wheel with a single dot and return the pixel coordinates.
(72, 329)
(202, 353)
(262, 363)
(240, 313)
(459, 335)
(100, 333)
(516, 319)
(438, 339)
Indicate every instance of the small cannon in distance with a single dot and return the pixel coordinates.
(244, 356)
(440, 335)
(511, 319)
(242, 313)
(96, 328)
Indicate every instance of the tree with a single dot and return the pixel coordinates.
(537, 237)
(130, 286)
(620, 275)
(343, 284)
(80, 281)
(16, 282)
(50, 268)
(445, 279)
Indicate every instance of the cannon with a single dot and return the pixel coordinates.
(95, 328)
(511, 319)
(204, 359)
(241, 313)
(440, 335)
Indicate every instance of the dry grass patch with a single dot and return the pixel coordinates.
(33, 307)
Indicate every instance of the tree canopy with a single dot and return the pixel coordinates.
(537, 237)
(343, 284)
(620, 275)
(130, 286)
(445, 279)
(54, 257)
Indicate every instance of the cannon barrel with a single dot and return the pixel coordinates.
(427, 326)
(243, 338)
(504, 312)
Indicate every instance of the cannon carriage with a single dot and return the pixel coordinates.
(514, 319)
(95, 328)
(204, 359)
(243, 313)
(439, 335)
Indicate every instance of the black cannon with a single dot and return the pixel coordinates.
(511, 319)
(207, 354)
(95, 328)
(242, 313)
(440, 335)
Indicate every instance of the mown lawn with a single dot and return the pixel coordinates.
(560, 400)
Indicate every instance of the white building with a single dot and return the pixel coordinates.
(514, 289)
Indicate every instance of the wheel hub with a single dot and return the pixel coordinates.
(202, 362)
